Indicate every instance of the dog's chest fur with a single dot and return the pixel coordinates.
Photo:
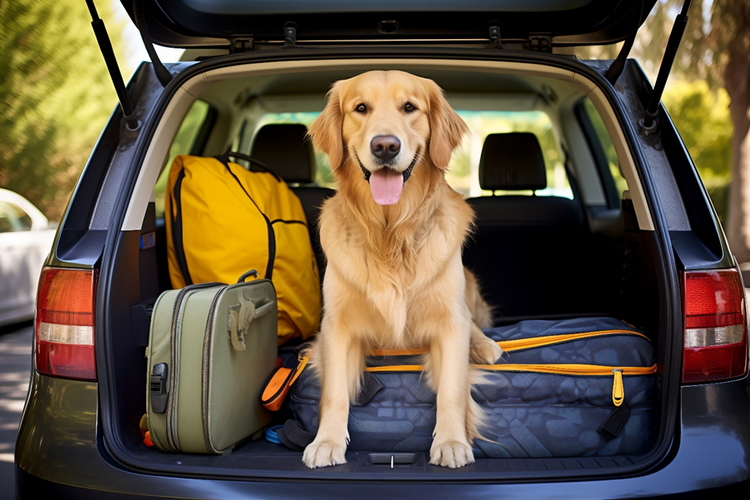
(394, 264)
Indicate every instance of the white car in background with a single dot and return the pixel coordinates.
(25, 240)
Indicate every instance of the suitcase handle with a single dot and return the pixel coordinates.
(244, 315)
(251, 272)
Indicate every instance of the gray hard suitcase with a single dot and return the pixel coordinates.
(211, 348)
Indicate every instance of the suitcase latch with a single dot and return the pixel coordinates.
(159, 388)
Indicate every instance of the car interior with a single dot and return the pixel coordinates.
(557, 234)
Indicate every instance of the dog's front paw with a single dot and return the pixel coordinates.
(484, 351)
(451, 454)
(324, 453)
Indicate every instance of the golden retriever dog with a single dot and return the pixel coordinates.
(392, 236)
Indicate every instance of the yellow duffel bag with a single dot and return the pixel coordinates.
(223, 220)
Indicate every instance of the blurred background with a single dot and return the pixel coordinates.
(56, 95)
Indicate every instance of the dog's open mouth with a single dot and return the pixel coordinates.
(386, 184)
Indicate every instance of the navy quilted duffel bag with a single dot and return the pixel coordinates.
(564, 388)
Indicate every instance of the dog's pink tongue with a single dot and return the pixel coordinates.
(386, 186)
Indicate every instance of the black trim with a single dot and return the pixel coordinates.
(178, 23)
(271, 233)
(177, 228)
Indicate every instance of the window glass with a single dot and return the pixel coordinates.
(463, 172)
(607, 147)
(323, 174)
(13, 218)
(6, 218)
(182, 145)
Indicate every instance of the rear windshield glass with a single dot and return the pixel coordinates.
(463, 171)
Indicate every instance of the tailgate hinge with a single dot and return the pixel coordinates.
(540, 42)
(245, 44)
(495, 38)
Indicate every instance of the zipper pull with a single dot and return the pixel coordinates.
(618, 389)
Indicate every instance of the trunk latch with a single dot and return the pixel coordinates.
(540, 42)
(159, 388)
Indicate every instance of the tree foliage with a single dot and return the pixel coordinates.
(702, 118)
(55, 96)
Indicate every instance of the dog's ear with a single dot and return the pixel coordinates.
(446, 127)
(326, 131)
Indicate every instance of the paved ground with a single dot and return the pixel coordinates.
(15, 366)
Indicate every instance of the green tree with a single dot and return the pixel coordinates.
(715, 48)
(702, 118)
(55, 96)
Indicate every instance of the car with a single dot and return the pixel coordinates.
(25, 240)
(624, 228)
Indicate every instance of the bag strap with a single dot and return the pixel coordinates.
(177, 233)
(243, 314)
(224, 158)
(269, 226)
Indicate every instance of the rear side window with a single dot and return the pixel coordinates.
(603, 151)
(190, 139)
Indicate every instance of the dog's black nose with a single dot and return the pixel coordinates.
(385, 147)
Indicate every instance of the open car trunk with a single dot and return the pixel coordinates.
(611, 263)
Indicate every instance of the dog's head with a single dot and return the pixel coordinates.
(386, 124)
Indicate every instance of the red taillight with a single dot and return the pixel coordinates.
(715, 338)
(65, 323)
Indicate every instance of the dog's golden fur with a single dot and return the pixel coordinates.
(394, 277)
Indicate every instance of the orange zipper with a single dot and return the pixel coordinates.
(515, 345)
(618, 388)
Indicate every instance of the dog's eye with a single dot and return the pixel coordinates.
(409, 107)
(361, 108)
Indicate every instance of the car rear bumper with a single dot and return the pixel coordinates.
(58, 452)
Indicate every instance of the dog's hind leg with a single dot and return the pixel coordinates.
(484, 351)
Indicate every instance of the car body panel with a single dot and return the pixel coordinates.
(58, 444)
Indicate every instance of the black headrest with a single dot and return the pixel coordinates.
(512, 162)
(285, 150)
